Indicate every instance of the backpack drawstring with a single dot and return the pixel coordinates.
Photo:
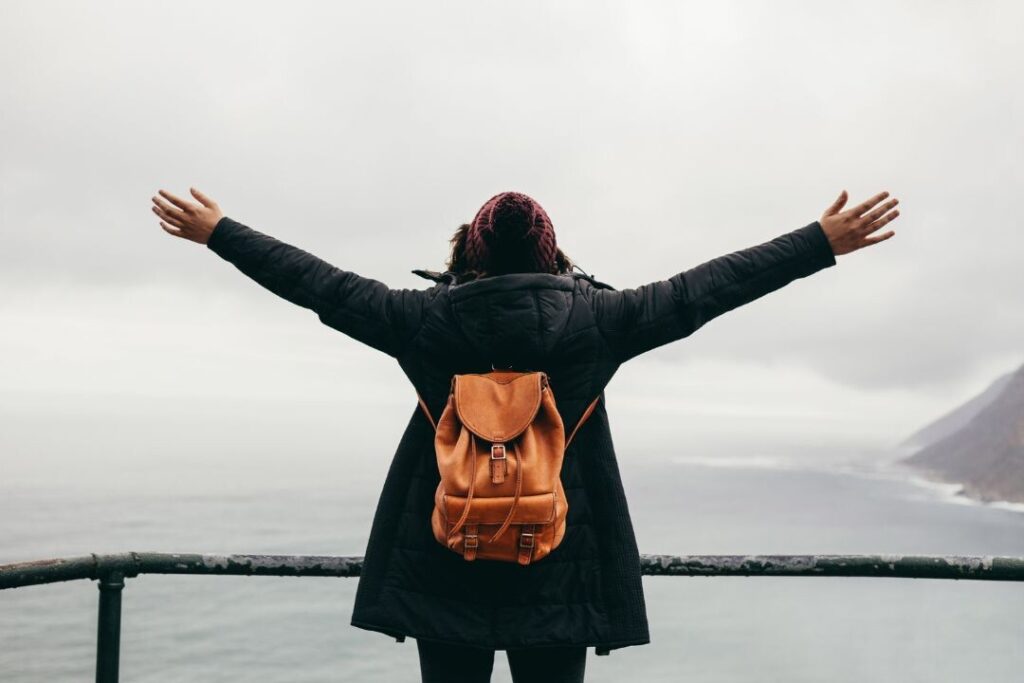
(472, 481)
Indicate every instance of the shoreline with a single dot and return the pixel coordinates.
(956, 491)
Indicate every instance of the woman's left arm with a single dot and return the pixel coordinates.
(637, 320)
(363, 308)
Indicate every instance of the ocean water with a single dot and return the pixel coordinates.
(702, 628)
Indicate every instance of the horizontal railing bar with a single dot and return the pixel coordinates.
(134, 563)
(983, 568)
(980, 568)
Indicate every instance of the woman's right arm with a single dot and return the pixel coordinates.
(361, 307)
(643, 318)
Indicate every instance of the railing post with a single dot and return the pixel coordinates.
(108, 631)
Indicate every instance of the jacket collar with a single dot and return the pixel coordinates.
(436, 275)
(510, 281)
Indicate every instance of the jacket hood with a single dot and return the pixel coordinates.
(514, 319)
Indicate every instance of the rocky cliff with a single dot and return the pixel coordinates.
(979, 445)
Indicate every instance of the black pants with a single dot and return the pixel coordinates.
(449, 663)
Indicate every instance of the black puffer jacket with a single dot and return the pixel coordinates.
(588, 590)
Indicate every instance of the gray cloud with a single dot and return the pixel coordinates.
(657, 135)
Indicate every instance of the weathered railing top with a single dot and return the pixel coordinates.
(111, 571)
(985, 568)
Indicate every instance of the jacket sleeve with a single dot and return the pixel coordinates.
(643, 318)
(363, 308)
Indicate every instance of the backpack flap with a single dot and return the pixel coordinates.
(498, 407)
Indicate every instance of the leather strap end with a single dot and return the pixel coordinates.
(470, 542)
(526, 544)
(499, 463)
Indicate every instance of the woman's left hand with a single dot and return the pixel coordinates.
(851, 229)
(191, 221)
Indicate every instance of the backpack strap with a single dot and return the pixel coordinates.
(426, 411)
(586, 414)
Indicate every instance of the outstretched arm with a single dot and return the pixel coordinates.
(643, 318)
(363, 308)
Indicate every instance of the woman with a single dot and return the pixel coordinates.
(510, 298)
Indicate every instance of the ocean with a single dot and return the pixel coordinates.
(702, 628)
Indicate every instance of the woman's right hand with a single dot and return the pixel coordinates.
(851, 230)
(194, 222)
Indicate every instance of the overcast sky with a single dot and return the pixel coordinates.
(656, 135)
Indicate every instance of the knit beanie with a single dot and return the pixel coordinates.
(511, 233)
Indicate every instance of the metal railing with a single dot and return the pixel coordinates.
(110, 571)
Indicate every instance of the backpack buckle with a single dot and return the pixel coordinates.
(470, 540)
(525, 544)
(495, 448)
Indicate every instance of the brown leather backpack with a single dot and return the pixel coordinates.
(499, 443)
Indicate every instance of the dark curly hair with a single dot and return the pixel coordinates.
(457, 264)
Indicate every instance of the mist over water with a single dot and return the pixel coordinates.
(200, 490)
